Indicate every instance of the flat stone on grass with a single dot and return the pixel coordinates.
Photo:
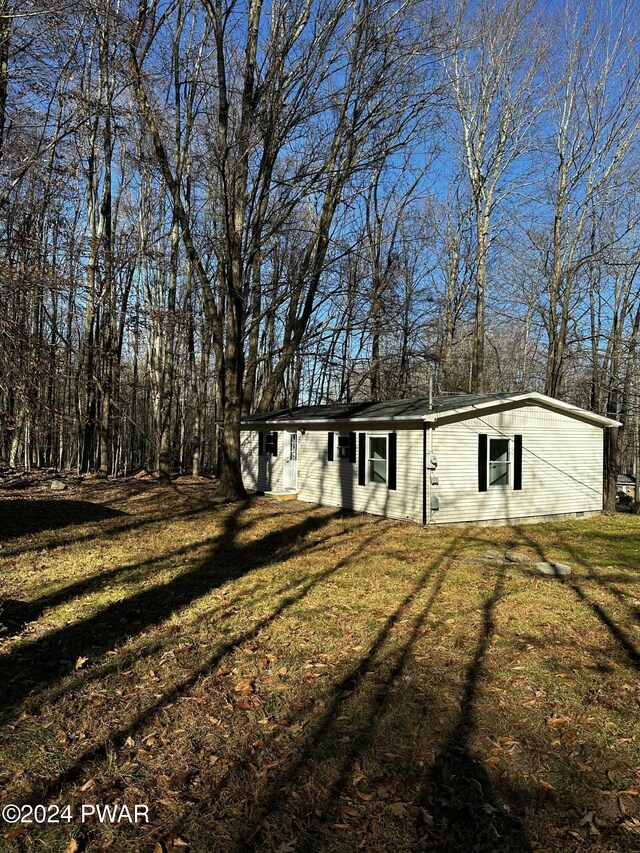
(517, 557)
(553, 569)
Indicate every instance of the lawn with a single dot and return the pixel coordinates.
(281, 677)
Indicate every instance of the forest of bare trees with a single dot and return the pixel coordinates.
(214, 207)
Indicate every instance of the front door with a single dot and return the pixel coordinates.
(290, 462)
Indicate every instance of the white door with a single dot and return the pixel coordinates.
(290, 462)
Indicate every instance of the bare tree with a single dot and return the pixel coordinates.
(594, 77)
(330, 75)
(491, 72)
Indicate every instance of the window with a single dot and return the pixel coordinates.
(499, 461)
(343, 447)
(271, 443)
(378, 459)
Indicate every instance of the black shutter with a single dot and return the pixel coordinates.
(275, 443)
(392, 453)
(517, 462)
(352, 447)
(482, 463)
(330, 441)
(260, 443)
(362, 458)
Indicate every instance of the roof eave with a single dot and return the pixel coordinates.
(310, 421)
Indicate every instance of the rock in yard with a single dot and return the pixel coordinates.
(58, 486)
(492, 555)
(517, 557)
(554, 569)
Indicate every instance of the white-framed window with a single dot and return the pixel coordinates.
(343, 446)
(377, 458)
(499, 462)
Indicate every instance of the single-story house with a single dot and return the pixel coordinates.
(627, 485)
(457, 458)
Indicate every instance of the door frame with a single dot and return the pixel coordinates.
(289, 465)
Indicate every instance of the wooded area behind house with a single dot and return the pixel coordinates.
(211, 208)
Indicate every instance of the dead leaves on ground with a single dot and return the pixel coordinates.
(173, 843)
(251, 719)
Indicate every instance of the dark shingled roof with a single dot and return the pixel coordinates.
(626, 480)
(380, 411)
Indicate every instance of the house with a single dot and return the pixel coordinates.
(461, 458)
(627, 485)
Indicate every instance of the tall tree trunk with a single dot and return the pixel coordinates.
(478, 379)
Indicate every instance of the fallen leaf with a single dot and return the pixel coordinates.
(14, 833)
(366, 797)
(351, 812)
(556, 720)
(72, 846)
(398, 809)
(81, 662)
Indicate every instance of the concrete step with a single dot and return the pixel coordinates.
(282, 496)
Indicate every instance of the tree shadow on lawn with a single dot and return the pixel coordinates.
(291, 593)
(44, 660)
(449, 781)
(134, 524)
(572, 583)
(460, 811)
(458, 808)
(248, 598)
(15, 614)
(20, 517)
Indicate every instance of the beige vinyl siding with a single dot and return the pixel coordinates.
(249, 458)
(262, 473)
(336, 483)
(562, 464)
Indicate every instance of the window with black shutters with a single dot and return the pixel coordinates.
(499, 462)
(377, 458)
(343, 446)
(271, 443)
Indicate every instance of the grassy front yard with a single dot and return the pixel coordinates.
(279, 677)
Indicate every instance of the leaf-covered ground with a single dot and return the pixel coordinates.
(282, 677)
